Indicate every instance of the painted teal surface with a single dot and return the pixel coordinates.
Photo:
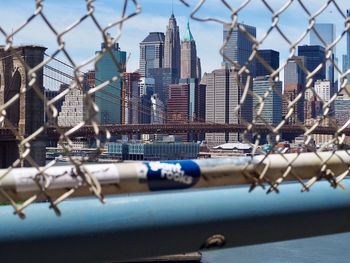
(321, 249)
(170, 222)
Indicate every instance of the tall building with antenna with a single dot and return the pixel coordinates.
(172, 47)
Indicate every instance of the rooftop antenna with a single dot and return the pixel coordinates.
(172, 6)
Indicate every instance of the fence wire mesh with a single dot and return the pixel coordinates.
(25, 70)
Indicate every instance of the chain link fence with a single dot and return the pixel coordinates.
(24, 71)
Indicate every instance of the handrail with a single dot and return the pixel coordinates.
(116, 178)
(147, 225)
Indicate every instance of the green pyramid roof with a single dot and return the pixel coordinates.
(188, 35)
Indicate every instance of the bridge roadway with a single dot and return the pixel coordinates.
(88, 131)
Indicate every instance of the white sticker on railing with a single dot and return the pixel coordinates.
(63, 177)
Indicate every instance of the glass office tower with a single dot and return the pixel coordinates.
(108, 99)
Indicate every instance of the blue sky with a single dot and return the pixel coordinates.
(84, 40)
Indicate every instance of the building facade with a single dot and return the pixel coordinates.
(158, 113)
(346, 57)
(89, 80)
(271, 58)
(154, 151)
(109, 99)
(294, 83)
(188, 55)
(146, 86)
(73, 110)
(341, 109)
(172, 47)
(327, 32)
(272, 107)
(323, 90)
(163, 77)
(201, 98)
(238, 48)
(185, 104)
(178, 111)
(146, 90)
(315, 56)
(131, 98)
(178, 103)
(50, 94)
(222, 97)
(199, 69)
(151, 53)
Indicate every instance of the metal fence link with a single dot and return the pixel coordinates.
(260, 171)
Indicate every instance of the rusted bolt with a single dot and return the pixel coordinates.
(214, 241)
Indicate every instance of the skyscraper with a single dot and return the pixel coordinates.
(315, 55)
(50, 94)
(157, 110)
(163, 77)
(195, 99)
(271, 57)
(185, 104)
(178, 106)
(109, 98)
(327, 33)
(341, 108)
(188, 55)
(272, 105)
(222, 97)
(199, 68)
(294, 83)
(89, 80)
(131, 98)
(151, 53)
(201, 98)
(238, 47)
(146, 89)
(272, 110)
(346, 58)
(73, 109)
(323, 89)
(172, 47)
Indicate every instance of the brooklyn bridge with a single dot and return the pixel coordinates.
(53, 133)
(193, 127)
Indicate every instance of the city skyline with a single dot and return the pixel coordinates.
(208, 35)
(152, 65)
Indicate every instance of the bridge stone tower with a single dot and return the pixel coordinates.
(26, 114)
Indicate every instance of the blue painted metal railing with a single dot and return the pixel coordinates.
(145, 225)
